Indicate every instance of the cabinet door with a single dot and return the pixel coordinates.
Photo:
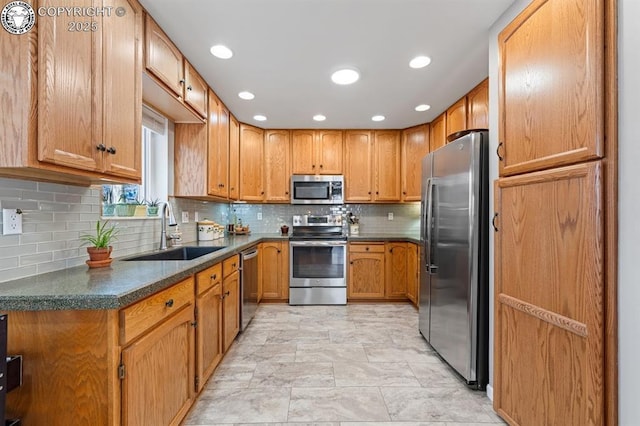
(396, 270)
(231, 309)
(122, 91)
(277, 167)
(478, 104)
(209, 333)
(157, 388)
(413, 273)
(234, 158)
(415, 145)
(195, 91)
(251, 163)
(163, 59)
(329, 151)
(274, 271)
(358, 148)
(457, 117)
(552, 118)
(438, 132)
(366, 275)
(387, 165)
(69, 114)
(303, 159)
(218, 147)
(549, 297)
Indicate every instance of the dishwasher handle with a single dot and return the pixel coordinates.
(249, 254)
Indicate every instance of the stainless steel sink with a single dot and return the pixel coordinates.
(182, 253)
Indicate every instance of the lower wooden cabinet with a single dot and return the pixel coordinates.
(209, 323)
(396, 270)
(366, 271)
(274, 265)
(230, 301)
(413, 273)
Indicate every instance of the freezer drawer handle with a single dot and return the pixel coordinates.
(493, 222)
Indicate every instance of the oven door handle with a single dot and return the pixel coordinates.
(317, 243)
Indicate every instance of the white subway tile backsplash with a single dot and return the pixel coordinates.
(20, 272)
(34, 259)
(9, 240)
(51, 266)
(18, 184)
(37, 195)
(51, 246)
(9, 262)
(20, 250)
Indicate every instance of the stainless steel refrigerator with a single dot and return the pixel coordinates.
(453, 314)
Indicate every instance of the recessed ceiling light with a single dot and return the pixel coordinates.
(420, 62)
(377, 118)
(319, 117)
(259, 117)
(423, 107)
(247, 96)
(345, 76)
(221, 51)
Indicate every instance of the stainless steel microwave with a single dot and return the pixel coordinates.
(317, 189)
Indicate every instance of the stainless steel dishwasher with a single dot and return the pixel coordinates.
(248, 285)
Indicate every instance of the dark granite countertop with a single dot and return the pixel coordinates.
(126, 282)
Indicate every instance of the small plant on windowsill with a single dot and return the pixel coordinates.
(152, 207)
(141, 207)
(100, 251)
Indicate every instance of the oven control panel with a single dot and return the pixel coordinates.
(317, 220)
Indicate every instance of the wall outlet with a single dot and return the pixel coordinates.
(11, 221)
(390, 216)
(196, 217)
(185, 217)
(259, 215)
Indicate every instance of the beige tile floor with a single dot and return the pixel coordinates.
(354, 365)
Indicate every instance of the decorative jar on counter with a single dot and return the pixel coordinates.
(206, 230)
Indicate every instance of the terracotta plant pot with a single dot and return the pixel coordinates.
(99, 257)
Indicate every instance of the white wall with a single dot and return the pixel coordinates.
(629, 206)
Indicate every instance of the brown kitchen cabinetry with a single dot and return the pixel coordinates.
(157, 335)
(358, 148)
(175, 75)
(438, 132)
(251, 163)
(415, 145)
(457, 116)
(275, 270)
(64, 96)
(366, 271)
(218, 164)
(478, 106)
(396, 270)
(230, 301)
(316, 152)
(277, 165)
(387, 156)
(234, 158)
(209, 323)
(413, 273)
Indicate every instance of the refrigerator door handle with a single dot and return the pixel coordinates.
(428, 244)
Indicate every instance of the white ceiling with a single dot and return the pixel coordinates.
(286, 50)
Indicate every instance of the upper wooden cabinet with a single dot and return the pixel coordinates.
(478, 106)
(415, 145)
(72, 106)
(438, 132)
(457, 116)
(358, 148)
(172, 71)
(387, 153)
(277, 165)
(234, 158)
(190, 160)
(551, 118)
(218, 147)
(316, 152)
(251, 163)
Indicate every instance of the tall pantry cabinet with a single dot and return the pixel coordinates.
(554, 210)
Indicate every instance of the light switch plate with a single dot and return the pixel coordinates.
(185, 217)
(259, 215)
(390, 216)
(11, 222)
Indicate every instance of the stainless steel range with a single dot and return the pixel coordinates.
(318, 266)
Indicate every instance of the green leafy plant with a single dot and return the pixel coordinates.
(153, 203)
(103, 236)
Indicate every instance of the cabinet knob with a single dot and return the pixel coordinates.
(261, 192)
(320, 165)
(101, 147)
(377, 192)
(111, 150)
(351, 263)
(391, 250)
(366, 248)
(214, 276)
(286, 193)
(168, 303)
(182, 81)
(278, 250)
(233, 265)
(369, 192)
(313, 166)
(404, 192)
(189, 88)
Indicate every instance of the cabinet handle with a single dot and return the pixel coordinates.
(111, 150)
(189, 88)
(101, 147)
(500, 157)
(169, 303)
(493, 222)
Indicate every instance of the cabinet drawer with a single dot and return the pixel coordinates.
(208, 278)
(230, 265)
(366, 248)
(143, 315)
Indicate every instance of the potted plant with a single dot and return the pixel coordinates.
(152, 207)
(100, 251)
(141, 207)
(123, 208)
